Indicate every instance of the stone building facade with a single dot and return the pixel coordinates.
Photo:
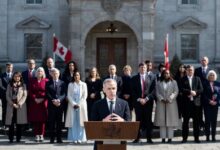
(27, 27)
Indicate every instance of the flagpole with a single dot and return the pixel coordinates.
(54, 57)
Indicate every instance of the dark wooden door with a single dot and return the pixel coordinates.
(111, 51)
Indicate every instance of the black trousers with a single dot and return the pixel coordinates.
(4, 105)
(55, 123)
(193, 112)
(144, 115)
(12, 128)
(211, 113)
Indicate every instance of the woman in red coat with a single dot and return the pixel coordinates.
(38, 104)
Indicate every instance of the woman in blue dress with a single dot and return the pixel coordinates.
(77, 109)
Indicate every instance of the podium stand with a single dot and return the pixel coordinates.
(111, 133)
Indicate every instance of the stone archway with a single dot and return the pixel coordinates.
(103, 49)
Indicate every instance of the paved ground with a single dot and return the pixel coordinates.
(29, 144)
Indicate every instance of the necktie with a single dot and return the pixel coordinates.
(204, 72)
(143, 86)
(30, 74)
(55, 85)
(111, 107)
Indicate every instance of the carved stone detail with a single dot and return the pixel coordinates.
(111, 6)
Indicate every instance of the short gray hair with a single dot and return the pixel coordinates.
(55, 70)
(108, 81)
(212, 72)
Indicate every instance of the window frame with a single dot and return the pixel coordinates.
(188, 48)
(188, 7)
(189, 2)
(34, 3)
(26, 48)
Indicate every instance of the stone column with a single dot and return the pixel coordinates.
(4, 29)
(148, 29)
(78, 49)
(217, 26)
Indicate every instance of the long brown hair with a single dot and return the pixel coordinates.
(13, 81)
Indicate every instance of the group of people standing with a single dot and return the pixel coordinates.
(41, 96)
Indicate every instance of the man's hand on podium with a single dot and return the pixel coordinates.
(113, 117)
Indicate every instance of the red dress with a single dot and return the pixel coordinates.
(37, 112)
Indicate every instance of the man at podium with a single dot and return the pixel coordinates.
(111, 108)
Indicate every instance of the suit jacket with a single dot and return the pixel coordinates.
(196, 86)
(52, 93)
(198, 73)
(209, 93)
(3, 85)
(25, 75)
(100, 110)
(119, 83)
(137, 89)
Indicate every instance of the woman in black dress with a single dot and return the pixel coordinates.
(94, 85)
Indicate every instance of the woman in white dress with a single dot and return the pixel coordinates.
(77, 109)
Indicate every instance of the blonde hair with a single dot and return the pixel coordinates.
(127, 67)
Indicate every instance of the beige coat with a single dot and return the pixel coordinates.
(21, 111)
(166, 114)
(82, 104)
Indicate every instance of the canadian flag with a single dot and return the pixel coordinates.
(60, 50)
(166, 53)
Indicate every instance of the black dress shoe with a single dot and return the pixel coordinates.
(51, 141)
(10, 141)
(213, 139)
(59, 141)
(197, 141)
(163, 141)
(169, 141)
(150, 141)
(207, 138)
(184, 141)
(136, 141)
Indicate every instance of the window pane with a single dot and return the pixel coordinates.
(33, 45)
(189, 46)
(30, 1)
(38, 1)
(34, 53)
(184, 1)
(193, 1)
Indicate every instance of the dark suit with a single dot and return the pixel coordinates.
(26, 77)
(100, 110)
(144, 112)
(55, 113)
(118, 79)
(191, 107)
(3, 86)
(211, 112)
(47, 73)
(202, 75)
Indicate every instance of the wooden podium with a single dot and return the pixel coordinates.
(111, 133)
